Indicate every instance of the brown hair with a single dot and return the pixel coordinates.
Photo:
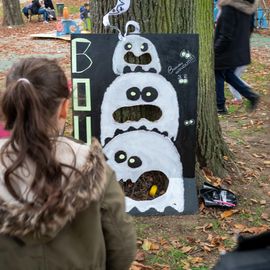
(35, 88)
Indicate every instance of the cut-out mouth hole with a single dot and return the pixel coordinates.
(143, 59)
(136, 113)
(143, 189)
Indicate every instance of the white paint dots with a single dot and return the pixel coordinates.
(190, 122)
(122, 156)
(185, 54)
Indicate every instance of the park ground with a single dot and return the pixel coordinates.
(194, 241)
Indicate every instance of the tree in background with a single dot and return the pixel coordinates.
(174, 16)
(12, 13)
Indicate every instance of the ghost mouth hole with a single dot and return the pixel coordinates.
(136, 113)
(143, 59)
(149, 186)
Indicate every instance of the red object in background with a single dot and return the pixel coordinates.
(3, 133)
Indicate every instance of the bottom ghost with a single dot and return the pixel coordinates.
(131, 154)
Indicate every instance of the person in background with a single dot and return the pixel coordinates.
(232, 49)
(61, 206)
(237, 98)
(85, 16)
(48, 4)
(42, 10)
(27, 10)
(85, 11)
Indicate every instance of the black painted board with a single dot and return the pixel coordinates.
(181, 71)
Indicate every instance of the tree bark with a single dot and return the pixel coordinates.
(12, 13)
(182, 16)
(211, 148)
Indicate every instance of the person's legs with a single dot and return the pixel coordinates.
(25, 12)
(238, 72)
(243, 88)
(43, 12)
(219, 76)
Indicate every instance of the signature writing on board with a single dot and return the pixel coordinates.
(190, 58)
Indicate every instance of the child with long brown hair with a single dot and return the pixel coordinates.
(60, 205)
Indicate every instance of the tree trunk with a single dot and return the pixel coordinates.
(182, 16)
(211, 148)
(12, 13)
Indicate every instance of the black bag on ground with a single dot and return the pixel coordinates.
(252, 253)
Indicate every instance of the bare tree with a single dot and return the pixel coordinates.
(182, 16)
(12, 13)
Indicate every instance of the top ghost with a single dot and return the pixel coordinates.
(135, 53)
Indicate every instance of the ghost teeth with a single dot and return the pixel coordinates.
(120, 131)
(127, 69)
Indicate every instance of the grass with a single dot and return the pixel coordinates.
(216, 225)
(254, 217)
(235, 134)
(263, 178)
(200, 268)
(173, 257)
(73, 9)
(229, 243)
(141, 228)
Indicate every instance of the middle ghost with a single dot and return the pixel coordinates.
(139, 89)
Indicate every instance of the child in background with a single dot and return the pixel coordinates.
(59, 200)
(85, 16)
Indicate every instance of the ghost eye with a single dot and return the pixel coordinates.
(128, 46)
(133, 93)
(144, 47)
(120, 156)
(149, 94)
(134, 162)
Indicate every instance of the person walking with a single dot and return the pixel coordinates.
(60, 204)
(232, 49)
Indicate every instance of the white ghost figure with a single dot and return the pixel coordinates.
(140, 51)
(137, 89)
(133, 153)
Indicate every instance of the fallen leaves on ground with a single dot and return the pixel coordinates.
(241, 228)
(228, 213)
(139, 266)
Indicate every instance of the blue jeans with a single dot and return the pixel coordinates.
(227, 75)
(25, 12)
(44, 13)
